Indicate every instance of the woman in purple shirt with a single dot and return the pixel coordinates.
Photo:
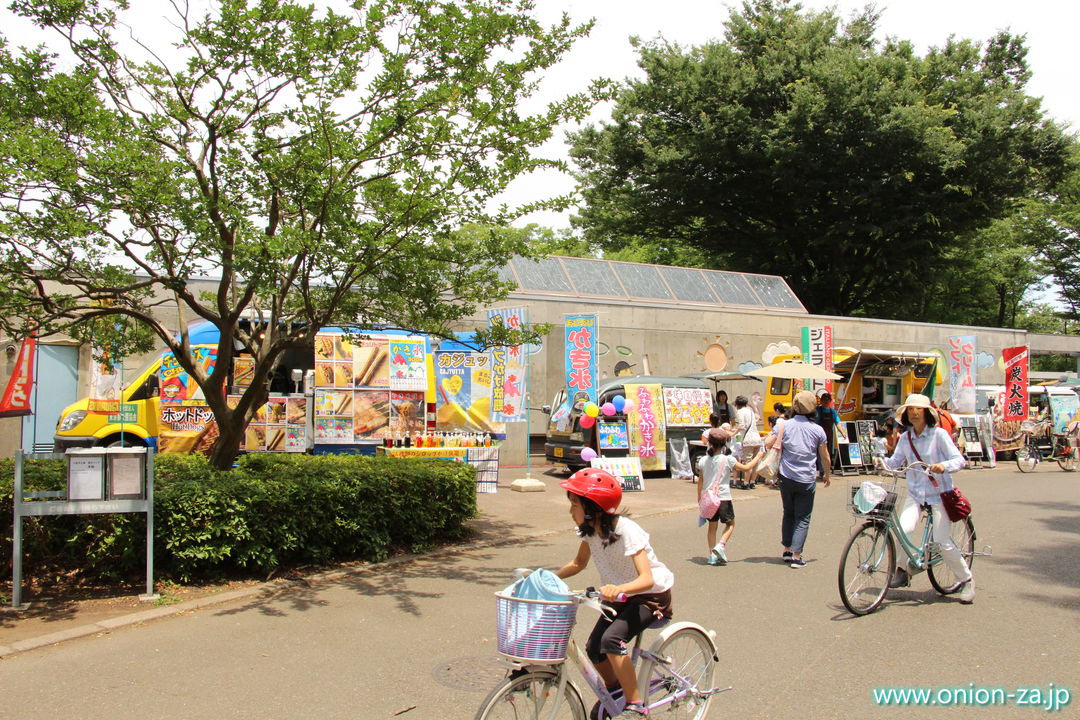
(803, 442)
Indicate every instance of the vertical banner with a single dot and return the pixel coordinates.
(817, 350)
(648, 433)
(962, 374)
(16, 399)
(508, 369)
(1016, 383)
(582, 382)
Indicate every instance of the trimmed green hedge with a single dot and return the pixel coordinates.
(270, 512)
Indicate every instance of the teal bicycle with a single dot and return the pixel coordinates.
(869, 558)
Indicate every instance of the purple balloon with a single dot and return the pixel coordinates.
(588, 454)
(608, 409)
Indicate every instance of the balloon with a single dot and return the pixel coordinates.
(629, 405)
(587, 421)
(588, 454)
(608, 409)
(619, 402)
(592, 409)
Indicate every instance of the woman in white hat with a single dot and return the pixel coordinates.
(927, 442)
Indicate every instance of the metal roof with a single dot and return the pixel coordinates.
(587, 278)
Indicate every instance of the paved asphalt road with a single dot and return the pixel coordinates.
(416, 640)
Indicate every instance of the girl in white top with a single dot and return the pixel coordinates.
(634, 581)
(925, 440)
(716, 469)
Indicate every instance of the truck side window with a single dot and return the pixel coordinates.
(147, 390)
(780, 386)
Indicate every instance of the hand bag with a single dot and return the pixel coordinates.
(709, 503)
(769, 465)
(957, 506)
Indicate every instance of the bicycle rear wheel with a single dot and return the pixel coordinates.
(1070, 462)
(1027, 457)
(865, 568)
(531, 695)
(693, 659)
(942, 578)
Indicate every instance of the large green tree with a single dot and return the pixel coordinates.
(312, 164)
(800, 146)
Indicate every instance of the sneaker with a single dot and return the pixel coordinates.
(751, 486)
(787, 556)
(798, 562)
(632, 712)
(900, 578)
(967, 594)
(713, 560)
(718, 551)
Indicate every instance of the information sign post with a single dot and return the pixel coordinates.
(99, 480)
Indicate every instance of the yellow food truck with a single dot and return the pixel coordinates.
(874, 381)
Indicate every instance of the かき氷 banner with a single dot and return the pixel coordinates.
(648, 432)
(582, 339)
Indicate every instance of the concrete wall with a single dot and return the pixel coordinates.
(675, 340)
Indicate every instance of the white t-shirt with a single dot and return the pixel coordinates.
(616, 563)
(745, 419)
(717, 469)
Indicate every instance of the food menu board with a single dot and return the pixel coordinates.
(278, 426)
(687, 406)
(368, 387)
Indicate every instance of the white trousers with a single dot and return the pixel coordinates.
(909, 518)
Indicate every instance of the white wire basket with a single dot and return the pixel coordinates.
(863, 504)
(534, 630)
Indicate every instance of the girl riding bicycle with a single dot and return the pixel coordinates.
(925, 442)
(634, 581)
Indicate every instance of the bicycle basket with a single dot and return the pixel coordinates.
(873, 503)
(534, 630)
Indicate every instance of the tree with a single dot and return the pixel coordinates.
(313, 164)
(800, 146)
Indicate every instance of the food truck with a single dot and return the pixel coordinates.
(662, 409)
(354, 387)
(874, 382)
(1061, 403)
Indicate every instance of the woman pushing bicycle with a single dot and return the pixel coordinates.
(924, 442)
(634, 581)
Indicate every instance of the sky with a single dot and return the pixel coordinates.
(1049, 26)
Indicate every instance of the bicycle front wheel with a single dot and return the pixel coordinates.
(942, 578)
(692, 667)
(531, 695)
(865, 568)
(1026, 457)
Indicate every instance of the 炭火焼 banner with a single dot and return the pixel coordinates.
(648, 431)
(1016, 383)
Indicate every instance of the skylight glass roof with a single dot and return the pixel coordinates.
(591, 278)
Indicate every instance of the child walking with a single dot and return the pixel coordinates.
(634, 581)
(716, 471)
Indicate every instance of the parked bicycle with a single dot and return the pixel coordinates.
(675, 674)
(869, 558)
(1063, 448)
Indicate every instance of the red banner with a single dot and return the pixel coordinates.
(16, 399)
(1016, 383)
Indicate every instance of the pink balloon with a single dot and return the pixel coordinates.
(587, 421)
(588, 454)
(608, 409)
(629, 405)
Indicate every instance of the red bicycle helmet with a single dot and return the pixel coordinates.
(600, 486)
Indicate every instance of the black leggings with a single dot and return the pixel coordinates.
(613, 636)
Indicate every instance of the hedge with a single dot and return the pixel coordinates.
(270, 512)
